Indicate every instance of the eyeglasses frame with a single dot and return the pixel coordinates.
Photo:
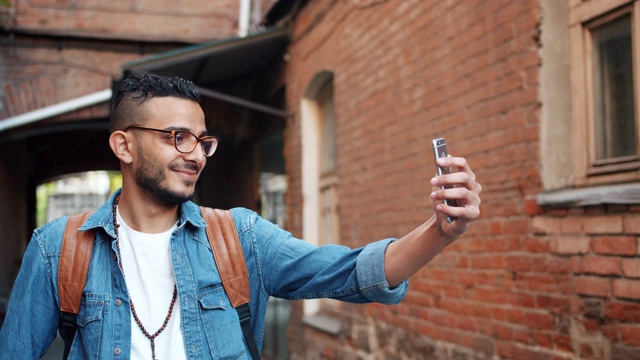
(173, 133)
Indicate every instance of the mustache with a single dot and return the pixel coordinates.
(185, 166)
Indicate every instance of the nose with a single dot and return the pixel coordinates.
(196, 155)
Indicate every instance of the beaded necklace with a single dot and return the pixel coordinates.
(133, 309)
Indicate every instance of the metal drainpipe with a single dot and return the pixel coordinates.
(243, 21)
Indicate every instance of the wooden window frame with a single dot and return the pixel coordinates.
(584, 16)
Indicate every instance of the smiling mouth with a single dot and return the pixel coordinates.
(186, 170)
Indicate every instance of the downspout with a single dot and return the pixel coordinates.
(244, 18)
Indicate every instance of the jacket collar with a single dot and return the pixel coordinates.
(103, 216)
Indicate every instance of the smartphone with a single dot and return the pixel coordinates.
(440, 151)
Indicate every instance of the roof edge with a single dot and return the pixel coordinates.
(56, 109)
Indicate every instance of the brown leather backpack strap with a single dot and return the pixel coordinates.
(73, 266)
(227, 251)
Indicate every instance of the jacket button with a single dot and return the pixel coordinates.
(117, 351)
(118, 302)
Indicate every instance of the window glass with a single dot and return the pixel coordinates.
(328, 148)
(615, 128)
(327, 213)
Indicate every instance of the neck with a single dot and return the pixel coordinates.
(145, 216)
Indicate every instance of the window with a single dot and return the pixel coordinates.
(328, 213)
(615, 128)
(590, 118)
(603, 61)
(319, 180)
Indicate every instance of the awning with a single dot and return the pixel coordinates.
(217, 61)
(203, 64)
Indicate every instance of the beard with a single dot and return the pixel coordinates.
(150, 178)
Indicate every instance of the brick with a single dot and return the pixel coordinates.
(542, 339)
(627, 289)
(558, 265)
(615, 245)
(619, 351)
(553, 303)
(539, 320)
(601, 265)
(631, 223)
(562, 342)
(631, 268)
(536, 245)
(604, 224)
(575, 264)
(519, 352)
(610, 331)
(572, 225)
(487, 262)
(546, 225)
(593, 286)
(531, 207)
(622, 311)
(569, 245)
(542, 282)
(517, 263)
(515, 226)
(630, 334)
(589, 325)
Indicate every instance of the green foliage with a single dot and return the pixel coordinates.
(5, 3)
(115, 181)
(45, 190)
(42, 199)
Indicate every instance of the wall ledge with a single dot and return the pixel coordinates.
(598, 195)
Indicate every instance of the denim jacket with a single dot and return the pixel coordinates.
(279, 265)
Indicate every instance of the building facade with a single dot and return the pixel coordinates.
(540, 96)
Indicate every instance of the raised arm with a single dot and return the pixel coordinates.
(413, 251)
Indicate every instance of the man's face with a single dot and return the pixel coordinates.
(159, 169)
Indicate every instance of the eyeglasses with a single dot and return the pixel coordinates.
(185, 141)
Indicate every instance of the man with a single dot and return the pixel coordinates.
(152, 289)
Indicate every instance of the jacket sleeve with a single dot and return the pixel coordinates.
(32, 317)
(294, 269)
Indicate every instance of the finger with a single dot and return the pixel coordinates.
(453, 179)
(461, 195)
(467, 202)
(456, 162)
(466, 177)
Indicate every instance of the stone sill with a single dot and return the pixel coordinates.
(597, 195)
(324, 323)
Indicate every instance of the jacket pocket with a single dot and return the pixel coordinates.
(90, 320)
(221, 325)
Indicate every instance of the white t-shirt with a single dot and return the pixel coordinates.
(148, 271)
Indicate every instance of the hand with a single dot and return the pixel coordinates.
(466, 192)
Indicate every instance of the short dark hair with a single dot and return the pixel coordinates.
(133, 91)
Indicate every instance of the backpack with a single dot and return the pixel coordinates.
(225, 245)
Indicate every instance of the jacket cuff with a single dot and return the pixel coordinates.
(372, 278)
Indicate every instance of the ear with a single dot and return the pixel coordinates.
(121, 145)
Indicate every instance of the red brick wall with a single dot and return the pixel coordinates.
(525, 282)
(57, 50)
(599, 249)
(158, 20)
(36, 74)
